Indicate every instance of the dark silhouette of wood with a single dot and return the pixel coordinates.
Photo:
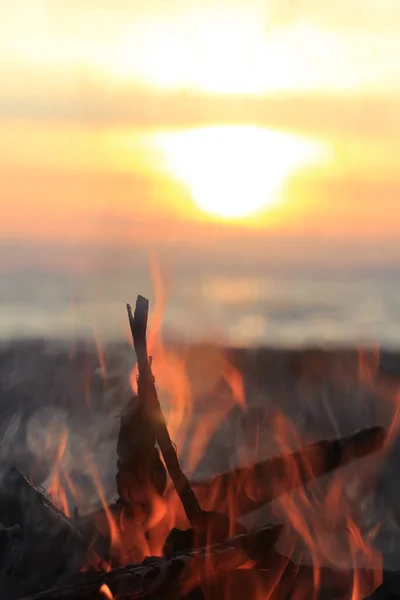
(148, 394)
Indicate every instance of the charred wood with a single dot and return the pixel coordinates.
(252, 487)
(174, 577)
(40, 547)
(258, 484)
(148, 394)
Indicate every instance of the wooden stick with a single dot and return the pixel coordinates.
(270, 478)
(148, 393)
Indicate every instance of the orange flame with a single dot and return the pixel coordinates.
(317, 514)
(368, 364)
(196, 400)
(113, 527)
(153, 333)
(234, 379)
(102, 362)
(105, 590)
(56, 490)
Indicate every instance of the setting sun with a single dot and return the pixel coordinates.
(235, 171)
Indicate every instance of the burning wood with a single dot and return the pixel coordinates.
(169, 577)
(43, 547)
(258, 484)
(45, 555)
(148, 397)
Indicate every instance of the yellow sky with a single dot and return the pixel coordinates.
(90, 88)
(242, 46)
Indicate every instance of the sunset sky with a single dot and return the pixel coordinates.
(266, 130)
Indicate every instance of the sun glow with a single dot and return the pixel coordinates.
(235, 171)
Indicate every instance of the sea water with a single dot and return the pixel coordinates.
(283, 309)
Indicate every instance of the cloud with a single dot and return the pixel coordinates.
(368, 16)
(90, 101)
(59, 49)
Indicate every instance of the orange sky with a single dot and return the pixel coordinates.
(89, 90)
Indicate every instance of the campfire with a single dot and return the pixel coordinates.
(172, 536)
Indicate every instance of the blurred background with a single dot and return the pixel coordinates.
(244, 150)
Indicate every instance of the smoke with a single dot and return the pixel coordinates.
(59, 417)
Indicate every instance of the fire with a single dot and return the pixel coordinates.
(368, 363)
(395, 424)
(114, 530)
(56, 490)
(105, 590)
(318, 513)
(100, 354)
(168, 368)
(314, 514)
(234, 379)
(171, 368)
(198, 387)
